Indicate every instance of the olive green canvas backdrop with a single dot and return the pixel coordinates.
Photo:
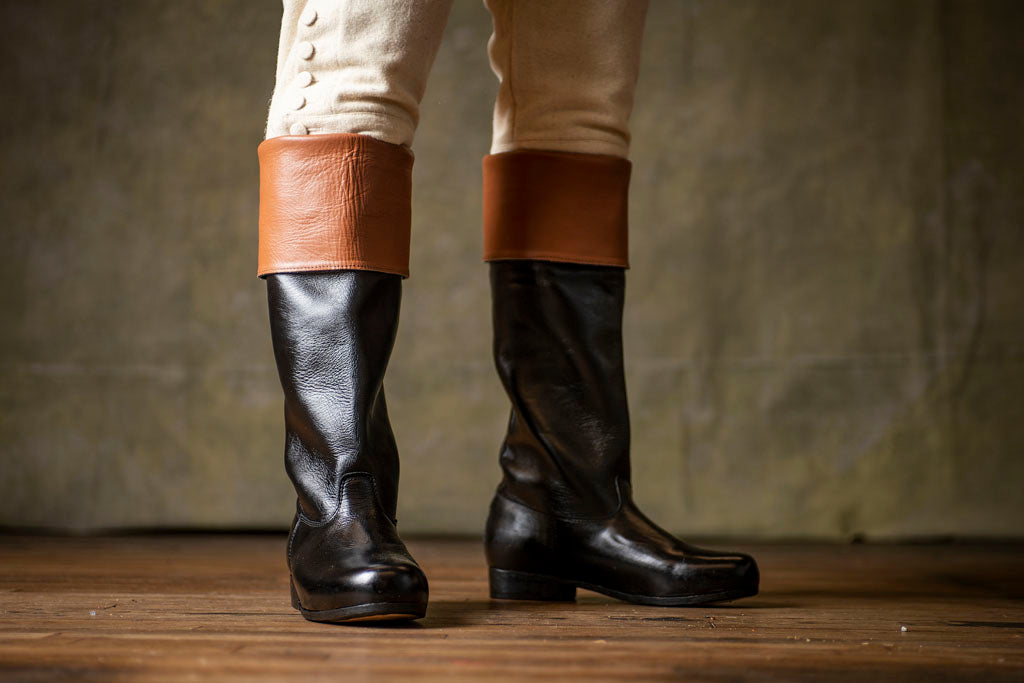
(824, 328)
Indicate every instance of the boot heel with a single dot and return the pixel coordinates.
(295, 596)
(510, 585)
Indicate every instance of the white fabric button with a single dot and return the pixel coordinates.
(304, 79)
(298, 129)
(298, 102)
(308, 16)
(306, 49)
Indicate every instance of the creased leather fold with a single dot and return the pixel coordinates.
(556, 206)
(332, 202)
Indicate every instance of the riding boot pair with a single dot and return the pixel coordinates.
(334, 230)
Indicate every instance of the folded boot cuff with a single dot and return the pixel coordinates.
(556, 206)
(333, 202)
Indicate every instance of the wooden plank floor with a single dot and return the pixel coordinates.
(212, 607)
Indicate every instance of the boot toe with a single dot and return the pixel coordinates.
(732, 575)
(381, 584)
(400, 583)
(747, 575)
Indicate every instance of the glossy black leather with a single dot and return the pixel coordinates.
(563, 512)
(332, 333)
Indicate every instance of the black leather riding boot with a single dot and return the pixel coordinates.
(563, 516)
(333, 332)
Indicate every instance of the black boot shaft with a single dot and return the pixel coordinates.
(558, 351)
(333, 333)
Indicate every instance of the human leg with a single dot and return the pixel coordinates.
(555, 222)
(335, 197)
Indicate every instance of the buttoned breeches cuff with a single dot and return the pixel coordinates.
(556, 206)
(334, 201)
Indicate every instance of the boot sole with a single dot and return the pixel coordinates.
(507, 584)
(370, 611)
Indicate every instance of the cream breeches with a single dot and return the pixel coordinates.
(567, 70)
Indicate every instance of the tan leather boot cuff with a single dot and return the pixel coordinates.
(556, 206)
(332, 202)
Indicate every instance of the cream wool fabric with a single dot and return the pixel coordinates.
(567, 70)
(355, 66)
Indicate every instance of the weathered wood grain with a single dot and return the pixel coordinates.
(172, 608)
